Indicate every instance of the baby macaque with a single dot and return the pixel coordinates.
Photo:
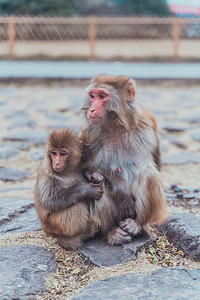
(62, 194)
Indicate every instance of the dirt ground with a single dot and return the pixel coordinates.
(73, 273)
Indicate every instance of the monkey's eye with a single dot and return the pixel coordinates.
(92, 96)
(63, 153)
(53, 153)
(102, 96)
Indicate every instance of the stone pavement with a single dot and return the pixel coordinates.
(28, 114)
(176, 284)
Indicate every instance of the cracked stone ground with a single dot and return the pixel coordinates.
(29, 112)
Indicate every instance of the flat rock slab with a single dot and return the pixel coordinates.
(38, 155)
(7, 153)
(7, 174)
(58, 117)
(171, 283)
(181, 159)
(8, 190)
(24, 270)
(26, 221)
(177, 142)
(191, 119)
(18, 215)
(172, 127)
(20, 122)
(12, 207)
(10, 114)
(99, 253)
(32, 136)
(16, 145)
(196, 136)
(183, 229)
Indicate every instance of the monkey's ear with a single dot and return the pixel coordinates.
(131, 86)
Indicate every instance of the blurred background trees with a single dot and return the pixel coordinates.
(145, 7)
(84, 7)
(39, 7)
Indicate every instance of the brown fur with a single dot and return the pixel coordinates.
(125, 136)
(62, 200)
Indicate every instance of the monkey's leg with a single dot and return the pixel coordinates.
(76, 242)
(150, 201)
(71, 222)
(117, 236)
(68, 242)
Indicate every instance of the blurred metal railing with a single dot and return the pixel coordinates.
(100, 37)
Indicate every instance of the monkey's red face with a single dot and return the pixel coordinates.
(99, 98)
(59, 158)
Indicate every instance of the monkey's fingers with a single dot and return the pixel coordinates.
(94, 176)
(88, 176)
(98, 192)
(124, 224)
(97, 178)
(118, 236)
(123, 233)
(131, 226)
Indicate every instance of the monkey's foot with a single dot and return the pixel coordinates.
(117, 236)
(130, 226)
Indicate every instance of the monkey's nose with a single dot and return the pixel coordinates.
(57, 163)
(92, 110)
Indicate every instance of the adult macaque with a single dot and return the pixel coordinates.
(62, 195)
(122, 143)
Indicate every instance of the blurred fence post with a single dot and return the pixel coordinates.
(11, 36)
(92, 35)
(176, 37)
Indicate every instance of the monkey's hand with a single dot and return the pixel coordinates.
(97, 178)
(97, 191)
(94, 177)
(131, 226)
(118, 236)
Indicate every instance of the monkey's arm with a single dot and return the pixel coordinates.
(126, 201)
(55, 197)
(80, 192)
(70, 196)
(122, 195)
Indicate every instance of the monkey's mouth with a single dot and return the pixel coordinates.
(58, 170)
(96, 120)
